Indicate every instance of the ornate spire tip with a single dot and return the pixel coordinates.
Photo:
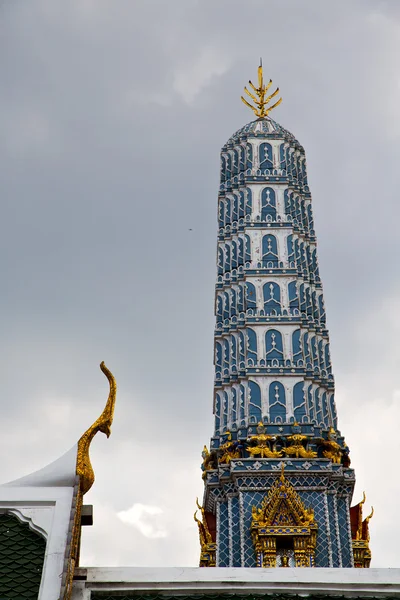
(260, 98)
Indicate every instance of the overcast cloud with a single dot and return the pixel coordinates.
(112, 115)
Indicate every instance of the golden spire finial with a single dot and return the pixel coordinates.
(282, 477)
(83, 465)
(260, 99)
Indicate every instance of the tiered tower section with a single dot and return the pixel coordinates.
(277, 480)
(272, 357)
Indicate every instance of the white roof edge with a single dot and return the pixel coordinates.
(59, 473)
(351, 583)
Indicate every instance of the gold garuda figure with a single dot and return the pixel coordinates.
(262, 444)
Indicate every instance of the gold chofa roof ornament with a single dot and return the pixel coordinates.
(260, 99)
(85, 472)
(84, 467)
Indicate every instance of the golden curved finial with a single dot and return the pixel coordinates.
(364, 498)
(260, 99)
(83, 465)
(204, 532)
(370, 515)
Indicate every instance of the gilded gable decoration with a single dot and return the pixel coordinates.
(360, 535)
(207, 538)
(283, 530)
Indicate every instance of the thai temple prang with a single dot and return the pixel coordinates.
(278, 482)
(277, 479)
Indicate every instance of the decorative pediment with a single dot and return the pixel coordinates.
(360, 535)
(283, 505)
(283, 527)
(207, 535)
(283, 515)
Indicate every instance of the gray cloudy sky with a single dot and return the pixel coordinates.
(112, 115)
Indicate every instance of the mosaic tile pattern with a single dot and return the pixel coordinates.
(235, 533)
(332, 530)
(223, 540)
(249, 500)
(345, 537)
(323, 549)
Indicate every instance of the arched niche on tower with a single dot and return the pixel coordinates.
(242, 159)
(292, 294)
(310, 218)
(290, 251)
(310, 403)
(242, 404)
(242, 204)
(234, 403)
(321, 354)
(220, 263)
(251, 298)
(234, 254)
(217, 412)
(265, 156)
(233, 351)
(327, 358)
(314, 353)
(218, 357)
(228, 209)
(240, 298)
(272, 298)
(247, 249)
(226, 354)
(235, 161)
(228, 166)
(277, 402)
(306, 348)
(282, 156)
(223, 168)
(248, 196)
(227, 261)
(254, 402)
(251, 345)
(241, 349)
(249, 156)
(226, 306)
(240, 244)
(274, 348)
(318, 407)
(297, 351)
(299, 403)
(235, 208)
(325, 410)
(225, 406)
(221, 212)
(332, 407)
(321, 309)
(268, 204)
(270, 257)
(219, 308)
(233, 309)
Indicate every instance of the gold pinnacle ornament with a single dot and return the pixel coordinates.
(260, 100)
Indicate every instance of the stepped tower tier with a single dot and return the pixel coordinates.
(274, 403)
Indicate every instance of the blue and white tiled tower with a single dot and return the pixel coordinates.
(276, 444)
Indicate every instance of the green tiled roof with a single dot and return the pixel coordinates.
(21, 559)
